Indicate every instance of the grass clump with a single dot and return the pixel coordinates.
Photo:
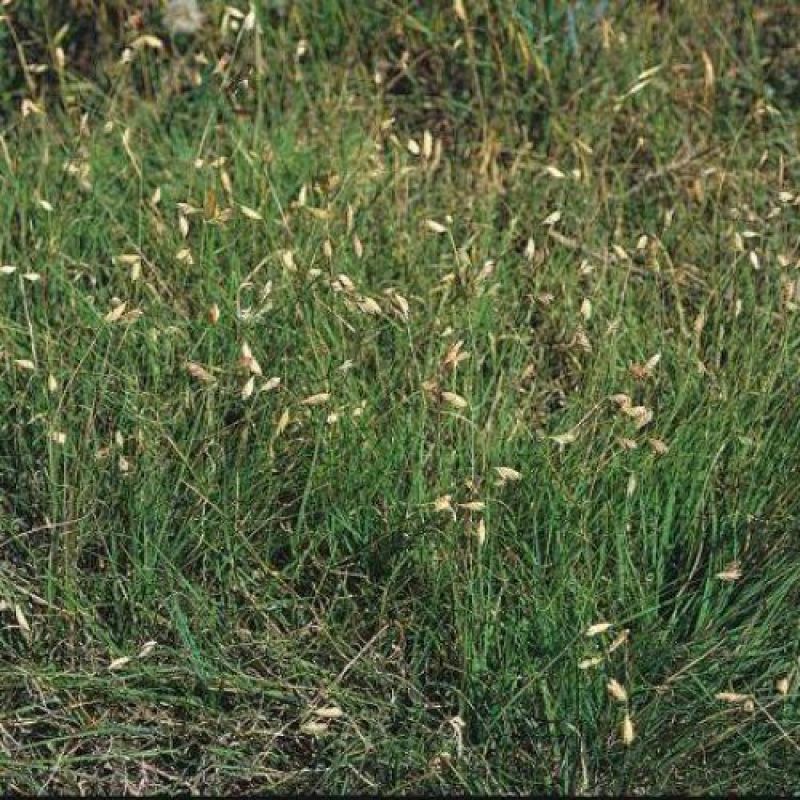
(402, 399)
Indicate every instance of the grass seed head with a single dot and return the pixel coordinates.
(270, 384)
(551, 219)
(628, 731)
(147, 648)
(731, 573)
(732, 697)
(565, 438)
(455, 400)
(314, 728)
(22, 621)
(328, 712)
(619, 640)
(617, 691)
(434, 226)
(199, 372)
(118, 663)
(480, 532)
(473, 505)
(506, 474)
(659, 446)
(316, 399)
(443, 503)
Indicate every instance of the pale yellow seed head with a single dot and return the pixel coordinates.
(597, 628)
(628, 731)
(617, 691)
(455, 400)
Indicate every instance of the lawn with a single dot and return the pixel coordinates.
(400, 397)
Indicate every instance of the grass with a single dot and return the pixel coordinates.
(270, 334)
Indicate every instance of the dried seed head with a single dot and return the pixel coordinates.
(731, 573)
(249, 361)
(118, 663)
(250, 213)
(434, 226)
(270, 384)
(782, 685)
(617, 691)
(427, 144)
(184, 256)
(565, 438)
(247, 389)
(328, 712)
(588, 663)
(530, 249)
(622, 400)
(652, 362)
(620, 252)
(343, 283)
(369, 306)
(454, 355)
(508, 474)
(619, 640)
(316, 399)
(287, 259)
(554, 172)
(455, 400)
(552, 219)
(399, 302)
(147, 648)
(628, 731)
(22, 621)
(443, 503)
(199, 372)
(641, 415)
(283, 422)
(732, 697)
(597, 628)
(659, 446)
(115, 313)
(314, 728)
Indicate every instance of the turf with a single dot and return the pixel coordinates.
(405, 403)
